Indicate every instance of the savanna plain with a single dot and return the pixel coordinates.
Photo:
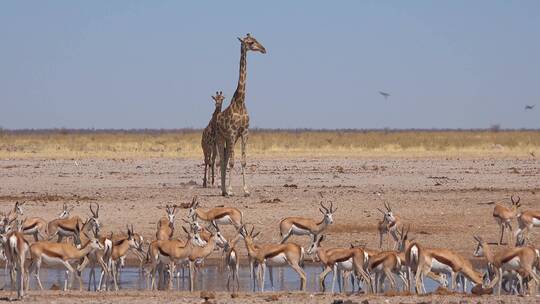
(443, 183)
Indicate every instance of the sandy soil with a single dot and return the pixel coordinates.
(445, 200)
(136, 297)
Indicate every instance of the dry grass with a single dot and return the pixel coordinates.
(264, 143)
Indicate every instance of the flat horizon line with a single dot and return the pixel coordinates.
(277, 130)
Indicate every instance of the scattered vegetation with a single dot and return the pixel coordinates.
(275, 143)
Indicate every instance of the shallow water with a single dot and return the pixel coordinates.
(209, 278)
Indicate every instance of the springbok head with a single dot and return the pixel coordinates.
(479, 251)
(18, 208)
(404, 238)
(171, 213)
(194, 237)
(515, 202)
(328, 212)
(66, 211)
(95, 215)
(193, 208)
(248, 236)
(388, 214)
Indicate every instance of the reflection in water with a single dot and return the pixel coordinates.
(209, 278)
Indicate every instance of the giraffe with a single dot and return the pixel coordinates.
(233, 123)
(208, 141)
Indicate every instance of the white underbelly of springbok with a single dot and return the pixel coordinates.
(437, 266)
(513, 264)
(536, 222)
(31, 230)
(346, 265)
(225, 220)
(299, 231)
(277, 260)
(52, 260)
(63, 232)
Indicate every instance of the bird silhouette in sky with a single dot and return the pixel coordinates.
(528, 107)
(384, 94)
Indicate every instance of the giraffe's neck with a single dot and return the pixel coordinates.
(216, 112)
(239, 94)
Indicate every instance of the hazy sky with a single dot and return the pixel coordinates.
(155, 64)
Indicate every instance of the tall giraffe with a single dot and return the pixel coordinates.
(208, 141)
(233, 123)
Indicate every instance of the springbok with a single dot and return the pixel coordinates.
(520, 259)
(172, 252)
(66, 227)
(60, 253)
(504, 216)
(218, 215)
(198, 253)
(274, 255)
(13, 213)
(16, 249)
(35, 226)
(353, 259)
(428, 261)
(165, 226)
(306, 226)
(120, 249)
(232, 260)
(386, 264)
(390, 224)
(526, 221)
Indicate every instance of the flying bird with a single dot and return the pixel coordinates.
(528, 107)
(384, 94)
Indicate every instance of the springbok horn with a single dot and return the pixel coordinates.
(332, 207)
(512, 198)
(325, 209)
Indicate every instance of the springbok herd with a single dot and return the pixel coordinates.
(514, 269)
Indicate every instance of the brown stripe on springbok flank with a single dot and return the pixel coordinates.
(119, 242)
(510, 256)
(300, 226)
(66, 228)
(221, 214)
(377, 259)
(442, 259)
(162, 252)
(344, 259)
(51, 253)
(30, 227)
(275, 252)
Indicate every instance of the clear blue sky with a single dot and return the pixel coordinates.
(155, 64)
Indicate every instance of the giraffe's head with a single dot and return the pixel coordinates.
(218, 99)
(252, 44)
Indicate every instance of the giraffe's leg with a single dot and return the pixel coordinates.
(223, 157)
(213, 162)
(205, 170)
(230, 160)
(244, 139)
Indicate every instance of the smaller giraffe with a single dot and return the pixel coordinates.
(208, 141)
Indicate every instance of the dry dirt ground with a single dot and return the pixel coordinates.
(446, 200)
(136, 297)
